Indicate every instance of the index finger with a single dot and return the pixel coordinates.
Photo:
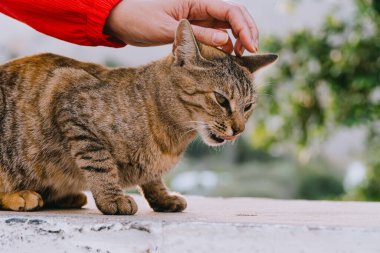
(242, 24)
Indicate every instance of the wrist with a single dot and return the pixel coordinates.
(111, 25)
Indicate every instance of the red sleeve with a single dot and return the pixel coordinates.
(76, 21)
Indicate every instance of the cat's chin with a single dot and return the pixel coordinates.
(211, 139)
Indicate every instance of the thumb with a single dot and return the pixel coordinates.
(209, 36)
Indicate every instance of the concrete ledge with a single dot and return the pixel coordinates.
(208, 225)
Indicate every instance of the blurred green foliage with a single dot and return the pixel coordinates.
(241, 170)
(319, 183)
(326, 79)
(370, 190)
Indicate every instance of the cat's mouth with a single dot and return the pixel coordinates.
(215, 137)
(211, 138)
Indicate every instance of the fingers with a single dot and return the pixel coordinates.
(228, 47)
(243, 26)
(237, 16)
(252, 27)
(238, 48)
(214, 37)
(211, 36)
(211, 23)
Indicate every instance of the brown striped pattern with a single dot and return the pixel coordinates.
(66, 125)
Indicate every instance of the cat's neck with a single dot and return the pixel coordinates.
(167, 115)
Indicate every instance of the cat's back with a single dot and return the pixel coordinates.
(25, 80)
(36, 66)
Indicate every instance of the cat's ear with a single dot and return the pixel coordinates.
(185, 46)
(256, 62)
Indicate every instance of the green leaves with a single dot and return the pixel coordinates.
(324, 80)
(342, 55)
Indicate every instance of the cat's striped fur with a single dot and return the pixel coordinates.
(66, 126)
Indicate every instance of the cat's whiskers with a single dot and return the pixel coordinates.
(199, 125)
(187, 132)
(264, 94)
(219, 148)
(198, 128)
(261, 85)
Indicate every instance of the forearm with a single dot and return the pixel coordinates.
(76, 21)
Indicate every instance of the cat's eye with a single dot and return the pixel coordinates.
(222, 100)
(248, 107)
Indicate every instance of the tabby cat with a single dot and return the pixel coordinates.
(67, 126)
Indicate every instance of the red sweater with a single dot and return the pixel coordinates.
(76, 21)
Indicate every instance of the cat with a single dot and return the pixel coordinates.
(67, 126)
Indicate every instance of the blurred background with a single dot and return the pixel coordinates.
(315, 133)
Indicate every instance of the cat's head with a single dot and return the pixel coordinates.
(216, 88)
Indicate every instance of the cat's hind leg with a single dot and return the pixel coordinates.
(25, 200)
(160, 199)
(72, 201)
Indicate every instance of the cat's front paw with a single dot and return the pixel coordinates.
(117, 205)
(169, 203)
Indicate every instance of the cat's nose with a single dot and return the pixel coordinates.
(237, 128)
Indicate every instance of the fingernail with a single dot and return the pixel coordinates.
(256, 44)
(226, 49)
(219, 38)
(242, 51)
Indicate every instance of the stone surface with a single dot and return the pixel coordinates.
(208, 225)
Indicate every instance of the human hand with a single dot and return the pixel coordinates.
(153, 22)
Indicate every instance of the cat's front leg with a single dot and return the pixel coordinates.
(102, 177)
(99, 168)
(160, 199)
